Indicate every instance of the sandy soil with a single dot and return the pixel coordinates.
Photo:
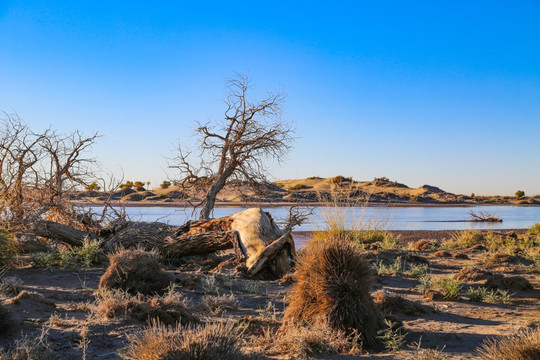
(459, 325)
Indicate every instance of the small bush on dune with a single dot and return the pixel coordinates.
(169, 309)
(136, 271)
(298, 187)
(334, 280)
(523, 346)
(203, 342)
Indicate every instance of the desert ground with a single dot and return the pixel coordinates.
(444, 289)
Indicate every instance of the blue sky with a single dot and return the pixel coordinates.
(445, 93)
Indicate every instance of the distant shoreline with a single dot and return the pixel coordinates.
(286, 204)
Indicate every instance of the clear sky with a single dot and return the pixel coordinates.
(445, 93)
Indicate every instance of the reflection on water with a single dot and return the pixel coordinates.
(396, 218)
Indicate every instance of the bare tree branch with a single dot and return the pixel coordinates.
(240, 147)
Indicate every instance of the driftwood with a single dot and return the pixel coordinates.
(252, 233)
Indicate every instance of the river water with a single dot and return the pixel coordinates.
(394, 218)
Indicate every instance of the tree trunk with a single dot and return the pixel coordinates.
(60, 232)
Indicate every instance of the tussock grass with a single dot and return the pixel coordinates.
(304, 341)
(333, 283)
(202, 342)
(169, 309)
(135, 271)
(523, 346)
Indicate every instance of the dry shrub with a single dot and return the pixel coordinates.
(442, 253)
(499, 259)
(203, 342)
(424, 245)
(333, 282)
(516, 283)
(306, 341)
(393, 303)
(522, 346)
(472, 274)
(136, 271)
(169, 309)
(10, 285)
(29, 348)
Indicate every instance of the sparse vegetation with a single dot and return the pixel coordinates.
(520, 194)
(169, 309)
(450, 287)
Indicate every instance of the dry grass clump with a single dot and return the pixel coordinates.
(424, 245)
(333, 284)
(168, 309)
(218, 304)
(203, 342)
(516, 283)
(136, 271)
(472, 274)
(523, 346)
(305, 341)
(29, 348)
(392, 303)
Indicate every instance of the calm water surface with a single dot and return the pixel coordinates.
(395, 218)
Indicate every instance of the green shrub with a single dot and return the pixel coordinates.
(165, 184)
(450, 287)
(535, 229)
(87, 255)
(92, 187)
(520, 194)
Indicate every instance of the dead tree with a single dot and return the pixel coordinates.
(37, 172)
(251, 135)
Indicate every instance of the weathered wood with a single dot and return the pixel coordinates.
(59, 232)
(198, 244)
(257, 262)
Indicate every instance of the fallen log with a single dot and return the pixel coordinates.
(252, 233)
(60, 232)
